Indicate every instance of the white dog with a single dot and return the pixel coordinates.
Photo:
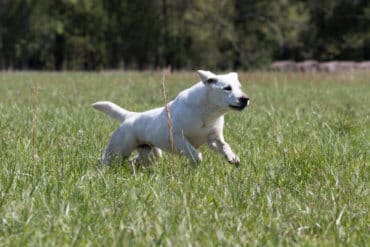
(196, 117)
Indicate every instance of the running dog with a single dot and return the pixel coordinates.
(193, 118)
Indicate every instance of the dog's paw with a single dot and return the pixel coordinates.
(196, 159)
(235, 160)
(200, 157)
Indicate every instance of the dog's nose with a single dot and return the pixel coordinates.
(244, 100)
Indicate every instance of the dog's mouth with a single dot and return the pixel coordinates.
(238, 107)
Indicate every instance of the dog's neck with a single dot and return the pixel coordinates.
(212, 114)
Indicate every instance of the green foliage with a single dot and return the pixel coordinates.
(246, 34)
(339, 29)
(304, 178)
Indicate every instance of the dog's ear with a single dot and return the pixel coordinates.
(234, 75)
(207, 77)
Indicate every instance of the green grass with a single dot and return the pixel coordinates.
(303, 180)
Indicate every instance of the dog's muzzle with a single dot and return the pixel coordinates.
(243, 102)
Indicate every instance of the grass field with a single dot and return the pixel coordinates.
(304, 177)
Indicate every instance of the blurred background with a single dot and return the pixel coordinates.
(179, 34)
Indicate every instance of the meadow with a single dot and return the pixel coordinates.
(304, 145)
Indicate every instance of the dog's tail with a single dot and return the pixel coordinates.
(112, 110)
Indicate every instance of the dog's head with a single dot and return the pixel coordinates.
(224, 90)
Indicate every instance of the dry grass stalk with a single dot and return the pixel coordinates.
(168, 112)
(34, 127)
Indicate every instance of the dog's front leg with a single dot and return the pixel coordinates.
(223, 148)
(183, 146)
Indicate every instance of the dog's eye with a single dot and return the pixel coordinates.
(211, 80)
(227, 88)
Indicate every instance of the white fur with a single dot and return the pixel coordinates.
(197, 117)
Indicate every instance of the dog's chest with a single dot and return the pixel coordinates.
(200, 136)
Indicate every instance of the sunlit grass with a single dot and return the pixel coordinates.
(303, 143)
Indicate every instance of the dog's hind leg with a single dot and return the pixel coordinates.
(120, 145)
(106, 157)
(111, 154)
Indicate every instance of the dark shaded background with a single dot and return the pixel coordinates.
(181, 34)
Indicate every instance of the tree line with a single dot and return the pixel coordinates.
(181, 34)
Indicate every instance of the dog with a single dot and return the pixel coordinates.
(193, 118)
